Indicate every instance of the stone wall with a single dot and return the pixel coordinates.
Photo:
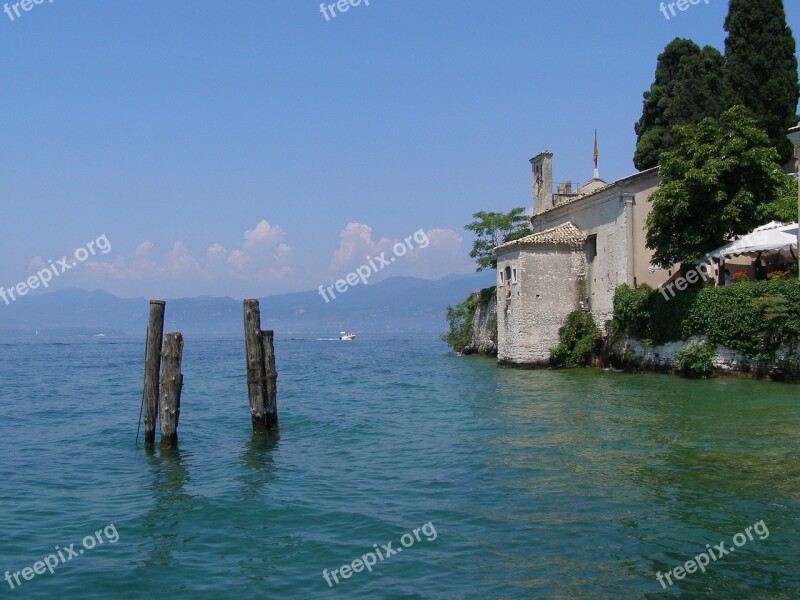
(614, 217)
(632, 355)
(550, 283)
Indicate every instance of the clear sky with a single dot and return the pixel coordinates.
(249, 148)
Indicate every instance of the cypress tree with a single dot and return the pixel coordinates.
(688, 87)
(761, 69)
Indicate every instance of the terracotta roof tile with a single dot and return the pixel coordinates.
(566, 233)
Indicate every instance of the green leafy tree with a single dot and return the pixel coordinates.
(713, 186)
(761, 67)
(688, 87)
(493, 229)
(784, 207)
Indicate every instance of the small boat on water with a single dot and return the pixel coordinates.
(346, 337)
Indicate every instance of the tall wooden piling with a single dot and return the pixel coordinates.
(152, 365)
(171, 386)
(271, 379)
(263, 409)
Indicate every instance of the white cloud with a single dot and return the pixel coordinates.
(263, 235)
(261, 261)
(442, 254)
(355, 244)
(261, 257)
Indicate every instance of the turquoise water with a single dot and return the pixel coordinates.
(538, 484)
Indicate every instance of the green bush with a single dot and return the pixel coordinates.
(580, 338)
(694, 360)
(630, 310)
(487, 294)
(751, 318)
(775, 317)
(460, 316)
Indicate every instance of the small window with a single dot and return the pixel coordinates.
(514, 276)
(591, 247)
(502, 277)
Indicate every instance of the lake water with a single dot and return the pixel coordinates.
(534, 484)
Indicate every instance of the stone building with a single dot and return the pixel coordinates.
(585, 243)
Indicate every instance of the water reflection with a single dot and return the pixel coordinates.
(258, 460)
(656, 463)
(162, 524)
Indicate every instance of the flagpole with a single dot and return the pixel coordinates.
(596, 154)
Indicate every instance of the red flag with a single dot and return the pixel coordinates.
(596, 151)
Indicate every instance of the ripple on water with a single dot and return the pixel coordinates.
(539, 484)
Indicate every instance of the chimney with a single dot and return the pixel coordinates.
(542, 165)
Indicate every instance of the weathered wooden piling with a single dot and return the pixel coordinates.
(258, 350)
(271, 379)
(171, 386)
(152, 365)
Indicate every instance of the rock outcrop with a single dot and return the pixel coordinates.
(483, 337)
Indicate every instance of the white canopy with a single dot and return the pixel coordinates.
(773, 236)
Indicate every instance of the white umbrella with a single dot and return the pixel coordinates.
(771, 237)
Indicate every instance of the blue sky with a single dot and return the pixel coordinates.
(252, 147)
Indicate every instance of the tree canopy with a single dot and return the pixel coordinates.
(758, 71)
(761, 67)
(688, 87)
(784, 207)
(493, 229)
(719, 182)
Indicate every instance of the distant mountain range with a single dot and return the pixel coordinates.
(396, 305)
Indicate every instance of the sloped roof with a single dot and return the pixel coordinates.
(566, 233)
(583, 196)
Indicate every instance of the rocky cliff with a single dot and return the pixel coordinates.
(483, 336)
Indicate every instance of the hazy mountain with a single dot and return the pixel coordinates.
(396, 305)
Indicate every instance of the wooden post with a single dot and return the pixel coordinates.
(171, 386)
(255, 356)
(271, 377)
(152, 365)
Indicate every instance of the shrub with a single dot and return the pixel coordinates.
(459, 319)
(774, 314)
(631, 314)
(460, 316)
(753, 319)
(580, 338)
(487, 294)
(694, 360)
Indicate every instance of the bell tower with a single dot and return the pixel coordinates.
(542, 166)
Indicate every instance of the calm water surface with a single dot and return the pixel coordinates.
(575, 484)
